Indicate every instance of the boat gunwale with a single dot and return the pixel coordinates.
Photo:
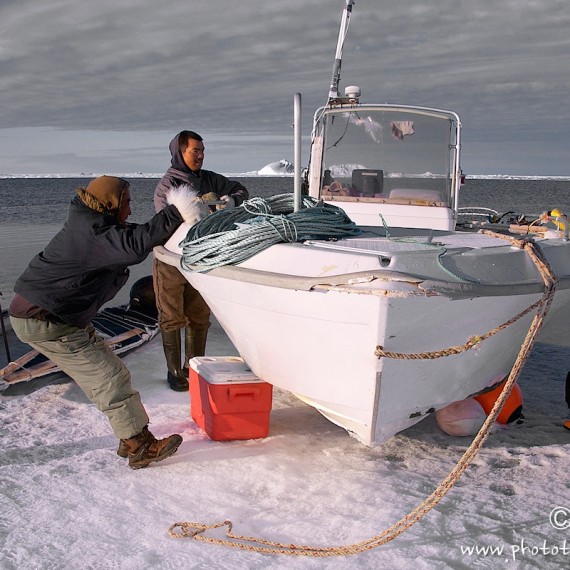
(355, 282)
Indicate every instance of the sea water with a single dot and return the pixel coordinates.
(39, 201)
(46, 200)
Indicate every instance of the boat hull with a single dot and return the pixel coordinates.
(319, 341)
(321, 347)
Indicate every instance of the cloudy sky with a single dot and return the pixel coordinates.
(103, 86)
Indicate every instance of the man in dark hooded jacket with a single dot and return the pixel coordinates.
(180, 306)
(64, 286)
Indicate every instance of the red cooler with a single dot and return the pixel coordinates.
(227, 400)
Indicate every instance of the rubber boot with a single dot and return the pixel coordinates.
(200, 337)
(144, 448)
(194, 344)
(171, 344)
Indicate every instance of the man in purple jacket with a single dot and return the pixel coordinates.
(179, 305)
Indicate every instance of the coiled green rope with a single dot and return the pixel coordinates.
(233, 235)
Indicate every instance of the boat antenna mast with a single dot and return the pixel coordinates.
(333, 90)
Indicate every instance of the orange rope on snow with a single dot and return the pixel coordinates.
(255, 544)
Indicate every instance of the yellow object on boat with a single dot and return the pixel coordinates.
(556, 213)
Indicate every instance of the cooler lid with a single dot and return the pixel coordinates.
(223, 369)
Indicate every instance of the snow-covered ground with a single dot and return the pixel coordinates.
(68, 501)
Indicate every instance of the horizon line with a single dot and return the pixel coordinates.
(254, 174)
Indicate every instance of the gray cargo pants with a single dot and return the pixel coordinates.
(96, 369)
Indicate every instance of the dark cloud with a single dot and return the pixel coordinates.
(230, 68)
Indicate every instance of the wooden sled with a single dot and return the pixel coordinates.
(122, 328)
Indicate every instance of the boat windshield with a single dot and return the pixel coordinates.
(388, 153)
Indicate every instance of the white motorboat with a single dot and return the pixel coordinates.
(419, 309)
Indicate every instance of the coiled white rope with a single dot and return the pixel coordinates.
(233, 235)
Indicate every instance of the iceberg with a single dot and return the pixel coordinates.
(280, 168)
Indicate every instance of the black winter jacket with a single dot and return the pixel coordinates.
(85, 264)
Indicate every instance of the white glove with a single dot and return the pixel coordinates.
(191, 208)
(229, 201)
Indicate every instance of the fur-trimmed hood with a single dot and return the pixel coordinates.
(103, 194)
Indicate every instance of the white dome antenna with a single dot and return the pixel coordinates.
(352, 92)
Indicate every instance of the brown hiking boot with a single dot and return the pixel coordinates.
(122, 450)
(144, 448)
